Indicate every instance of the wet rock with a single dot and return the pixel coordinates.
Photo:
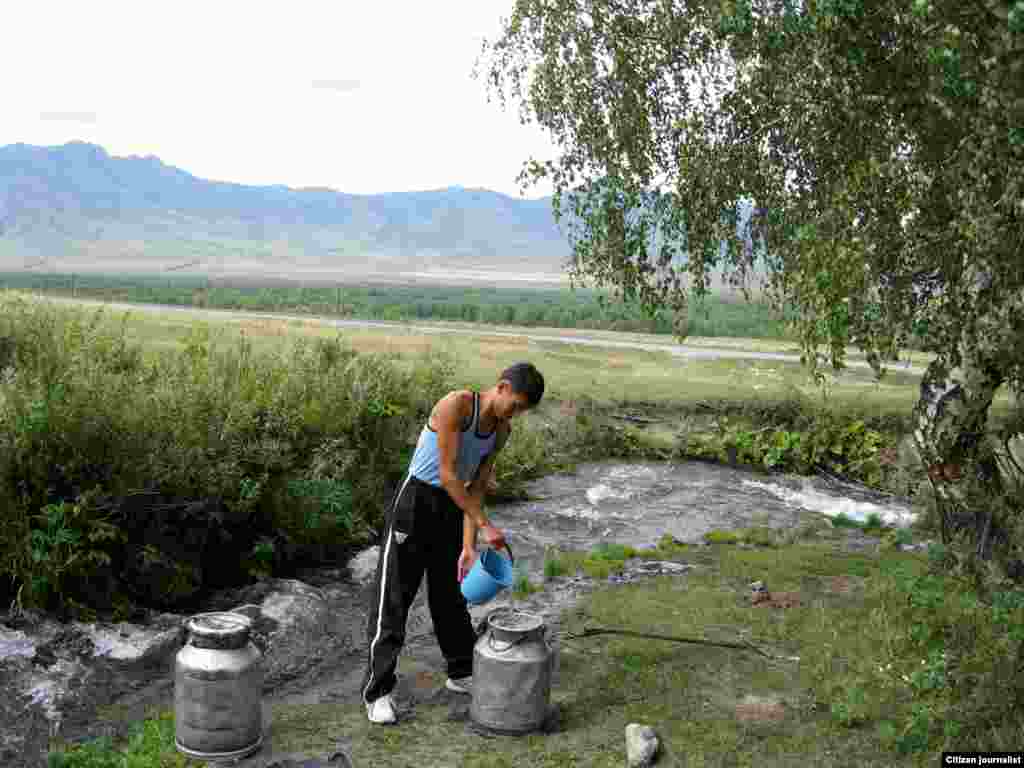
(635, 571)
(75, 667)
(14, 642)
(363, 567)
(659, 568)
(289, 624)
(918, 547)
(641, 745)
(64, 670)
(153, 645)
(69, 641)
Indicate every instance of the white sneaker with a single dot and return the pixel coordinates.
(382, 710)
(460, 684)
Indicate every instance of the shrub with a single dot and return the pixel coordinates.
(521, 584)
(554, 566)
(298, 447)
(967, 681)
(721, 537)
(613, 552)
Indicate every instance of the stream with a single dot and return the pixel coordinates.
(635, 504)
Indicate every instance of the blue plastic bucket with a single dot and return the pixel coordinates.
(490, 574)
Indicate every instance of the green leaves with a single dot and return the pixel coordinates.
(62, 549)
(876, 136)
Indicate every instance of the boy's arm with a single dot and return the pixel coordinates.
(478, 487)
(449, 423)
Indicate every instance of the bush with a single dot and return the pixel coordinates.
(968, 682)
(721, 537)
(798, 435)
(100, 446)
(613, 552)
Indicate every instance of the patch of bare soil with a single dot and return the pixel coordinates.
(758, 709)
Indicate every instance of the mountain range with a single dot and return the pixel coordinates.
(75, 206)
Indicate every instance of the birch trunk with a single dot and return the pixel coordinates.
(952, 433)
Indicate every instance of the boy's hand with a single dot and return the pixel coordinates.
(466, 560)
(494, 537)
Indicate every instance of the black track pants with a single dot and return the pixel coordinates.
(423, 532)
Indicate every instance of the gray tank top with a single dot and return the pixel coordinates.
(473, 449)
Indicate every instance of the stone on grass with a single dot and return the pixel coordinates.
(641, 745)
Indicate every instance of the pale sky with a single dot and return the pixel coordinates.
(361, 97)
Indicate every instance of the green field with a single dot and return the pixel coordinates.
(529, 307)
(608, 375)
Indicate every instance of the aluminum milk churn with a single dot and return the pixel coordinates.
(512, 670)
(218, 689)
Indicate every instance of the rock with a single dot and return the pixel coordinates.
(14, 642)
(75, 664)
(660, 567)
(363, 567)
(61, 667)
(641, 745)
(921, 546)
(289, 628)
(249, 609)
(153, 645)
(759, 593)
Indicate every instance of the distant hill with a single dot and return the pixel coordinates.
(76, 205)
(77, 208)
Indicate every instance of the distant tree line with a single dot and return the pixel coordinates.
(533, 307)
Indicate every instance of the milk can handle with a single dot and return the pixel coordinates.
(507, 646)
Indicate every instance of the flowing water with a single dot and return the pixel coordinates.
(637, 503)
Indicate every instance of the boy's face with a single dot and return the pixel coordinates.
(510, 403)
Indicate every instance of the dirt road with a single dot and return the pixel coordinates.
(677, 350)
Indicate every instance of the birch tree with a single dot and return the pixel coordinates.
(878, 146)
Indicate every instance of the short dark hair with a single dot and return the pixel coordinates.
(525, 379)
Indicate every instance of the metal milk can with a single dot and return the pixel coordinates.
(218, 689)
(513, 663)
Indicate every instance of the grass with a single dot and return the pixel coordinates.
(609, 375)
(831, 697)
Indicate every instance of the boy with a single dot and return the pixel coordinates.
(432, 525)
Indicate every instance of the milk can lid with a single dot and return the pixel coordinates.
(219, 624)
(514, 620)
